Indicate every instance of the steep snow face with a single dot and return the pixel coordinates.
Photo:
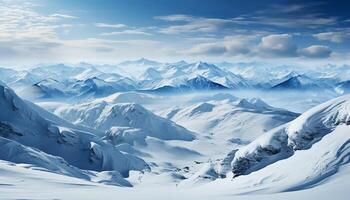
(324, 164)
(300, 134)
(298, 82)
(96, 87)
(47, 88)
(198, 83)
(151, 74)
(228, 118)
(22, 79)
(217, 75)
(120, 135)
(31, 126)
(201, 83)
(17, 153)
(102, 116)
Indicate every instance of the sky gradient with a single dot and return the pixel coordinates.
(104, 31)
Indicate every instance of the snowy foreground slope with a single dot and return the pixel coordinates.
(21, 183)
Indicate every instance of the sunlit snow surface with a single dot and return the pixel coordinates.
(113, 133)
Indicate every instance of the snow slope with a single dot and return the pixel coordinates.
(22, 183)
(102, 116)
(303, 133)
(228, 118)
(32, 126)
(308, 153)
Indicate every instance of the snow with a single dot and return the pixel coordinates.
(32, 126)
(194, 75)
(226, 117)
(299, 134)
(226, 135)
(103, 116)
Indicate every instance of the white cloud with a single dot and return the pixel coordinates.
(269, 46)
(306, 21)
(173, 18)
(106, 25)
(277, 45)
(316, 51)
(58, 15)
(228, 46)
(30, 35)
(239, 44)
(210, 49)
(126, 32)
(337, 37)
(193, 24)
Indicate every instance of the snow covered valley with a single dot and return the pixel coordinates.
(191, 130)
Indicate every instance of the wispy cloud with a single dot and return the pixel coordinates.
(306, 21)
(337, 36)
(58, 15)
(126, 32)
(106, 25)
(192, 24)
(175, 18)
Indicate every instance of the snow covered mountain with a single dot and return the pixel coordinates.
(185, 75)
(298, 82)
(228, 118)
(202, 129)
(321, 129)
(198, 83)
(58, 72)
(22, 79)
(103, 116)
(47, 88)
(96, 87)
(27, 131)
(140, 62)
(308, 152)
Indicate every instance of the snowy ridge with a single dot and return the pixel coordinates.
(33, 127)
(103, 116)
(300, 134)
(227, 117)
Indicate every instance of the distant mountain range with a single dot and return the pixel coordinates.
(86, 80)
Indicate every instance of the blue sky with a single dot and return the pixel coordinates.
(105, 31)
